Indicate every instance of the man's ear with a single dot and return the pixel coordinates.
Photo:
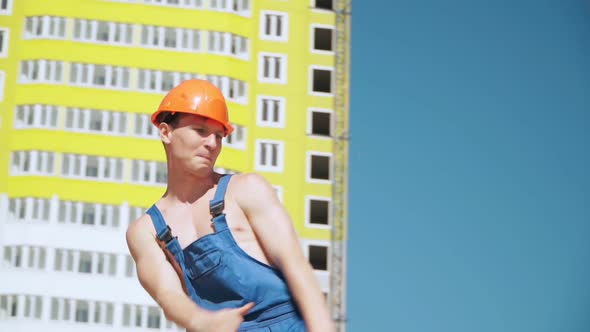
(165, 132)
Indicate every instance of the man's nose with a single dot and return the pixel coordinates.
(211, 141)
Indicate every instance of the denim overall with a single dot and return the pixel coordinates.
(219, 274)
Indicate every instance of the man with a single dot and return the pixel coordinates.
(242, 269)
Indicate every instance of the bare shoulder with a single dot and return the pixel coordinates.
(141, 224)
(244, 185)
(245, 180)
(138, 232)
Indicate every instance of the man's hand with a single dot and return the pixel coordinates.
(224, 320)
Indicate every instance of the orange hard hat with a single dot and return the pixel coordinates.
(199, 97)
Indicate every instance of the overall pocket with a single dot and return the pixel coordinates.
(203, 264)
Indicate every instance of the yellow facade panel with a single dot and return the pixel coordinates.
(135, 57)
(72, 96)
(83, 190)
(140, 13)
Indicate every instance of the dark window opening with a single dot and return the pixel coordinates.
(322, 80)
(324, 4)
(320, 167)
(320, 123)
(322, 39)
(318, 257)
(318, 212)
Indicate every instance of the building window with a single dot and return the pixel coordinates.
(233, 89)
(240, 7)
(170, 38)
(237, 91)
(132, 315)
(318, 257)
(100, 76)
(321, 80)
(40, 209)
(8, 306)
(81, 311)
(130, 269)
(272, 68)
(27, 257)
(270, 112)
(319, 166)
(126, 315)
(21, 306)
(134, 213)
(219, 42)
(154, 317)
(68, 260)
(37, 209)
(324, 4)
(274, 26)
(237, 139)
(96, 121)
(85, 264)
(88, 215)
(33, 306)
(149, 172)
(17, 209)
(160, 81)
(5, 7)
(103, 215)
(143, 316)
(46, 27)
(226, 43)
(144, 127)
(323, 38)
(269, 155)
(176, 3)
(221, 5)
(61, 309)
(93, 31)
(317, 210)
(32, 163)
(41, 71)
(320, 122)
(29, 209)
(239, 46)
(36, 116)
(92, 167)
(4, 32)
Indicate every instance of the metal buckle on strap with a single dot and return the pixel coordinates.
(166, 236)
(217, 208)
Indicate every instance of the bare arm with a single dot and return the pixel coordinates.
(274, 229)
(159, 279)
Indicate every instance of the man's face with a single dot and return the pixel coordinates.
(195, 143)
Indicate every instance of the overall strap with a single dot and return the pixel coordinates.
(217, 204)
(163, 231)
(169, 245)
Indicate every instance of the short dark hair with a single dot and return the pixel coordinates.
(171, 118)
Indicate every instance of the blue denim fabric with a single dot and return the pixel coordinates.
(219, 274)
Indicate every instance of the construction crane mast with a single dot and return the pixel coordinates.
(341, 137)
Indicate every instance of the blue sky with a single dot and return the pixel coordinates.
(469, 188)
